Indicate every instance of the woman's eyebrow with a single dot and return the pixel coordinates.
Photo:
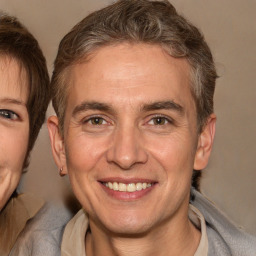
(12, 101)
(84, 106)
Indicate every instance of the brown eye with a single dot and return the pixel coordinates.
(8, 114)
(97, 121)
(159, 120)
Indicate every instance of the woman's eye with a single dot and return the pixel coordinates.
(159, 121)
(97, 121)
(8, 114)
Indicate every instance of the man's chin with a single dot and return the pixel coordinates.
(128, 231)
(126, 227)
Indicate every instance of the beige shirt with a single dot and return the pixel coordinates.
(13, 218)
(75, 231)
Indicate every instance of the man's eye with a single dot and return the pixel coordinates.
(159, 121)
(8, 114)
(97, 121)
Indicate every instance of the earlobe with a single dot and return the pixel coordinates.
(205, 143)
(57, 144)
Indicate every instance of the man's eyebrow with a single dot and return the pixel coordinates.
(84, 106)
(12, 101)
(168, 105)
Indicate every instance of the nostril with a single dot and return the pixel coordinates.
(127, 161)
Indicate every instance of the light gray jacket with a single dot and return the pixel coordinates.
(224, 238)
(42, 236)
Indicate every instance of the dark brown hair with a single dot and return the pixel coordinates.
(16, 42)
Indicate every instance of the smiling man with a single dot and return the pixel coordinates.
(133, 89)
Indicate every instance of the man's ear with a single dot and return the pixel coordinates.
(57, 144)
(205, 143)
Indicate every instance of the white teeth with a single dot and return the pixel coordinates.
(138, 186)
(122, 187)
(115, 186)
(110, 185)
(131, 187)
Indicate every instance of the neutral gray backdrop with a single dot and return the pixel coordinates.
(230, 29)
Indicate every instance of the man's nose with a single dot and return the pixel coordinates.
(127, 148)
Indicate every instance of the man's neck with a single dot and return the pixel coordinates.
(166, 240)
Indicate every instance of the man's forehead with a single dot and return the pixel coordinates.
(128, 61)
(128, 72)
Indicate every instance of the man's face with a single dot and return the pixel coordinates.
(130, 138)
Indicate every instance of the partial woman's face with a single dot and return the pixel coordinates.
(14, 126)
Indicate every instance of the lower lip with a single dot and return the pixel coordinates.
(127, 196)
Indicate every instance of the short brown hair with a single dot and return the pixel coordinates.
(16, 42)
(138, 21)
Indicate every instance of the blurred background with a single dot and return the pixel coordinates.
(230, 29)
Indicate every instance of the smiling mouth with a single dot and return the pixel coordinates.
(130, 187)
